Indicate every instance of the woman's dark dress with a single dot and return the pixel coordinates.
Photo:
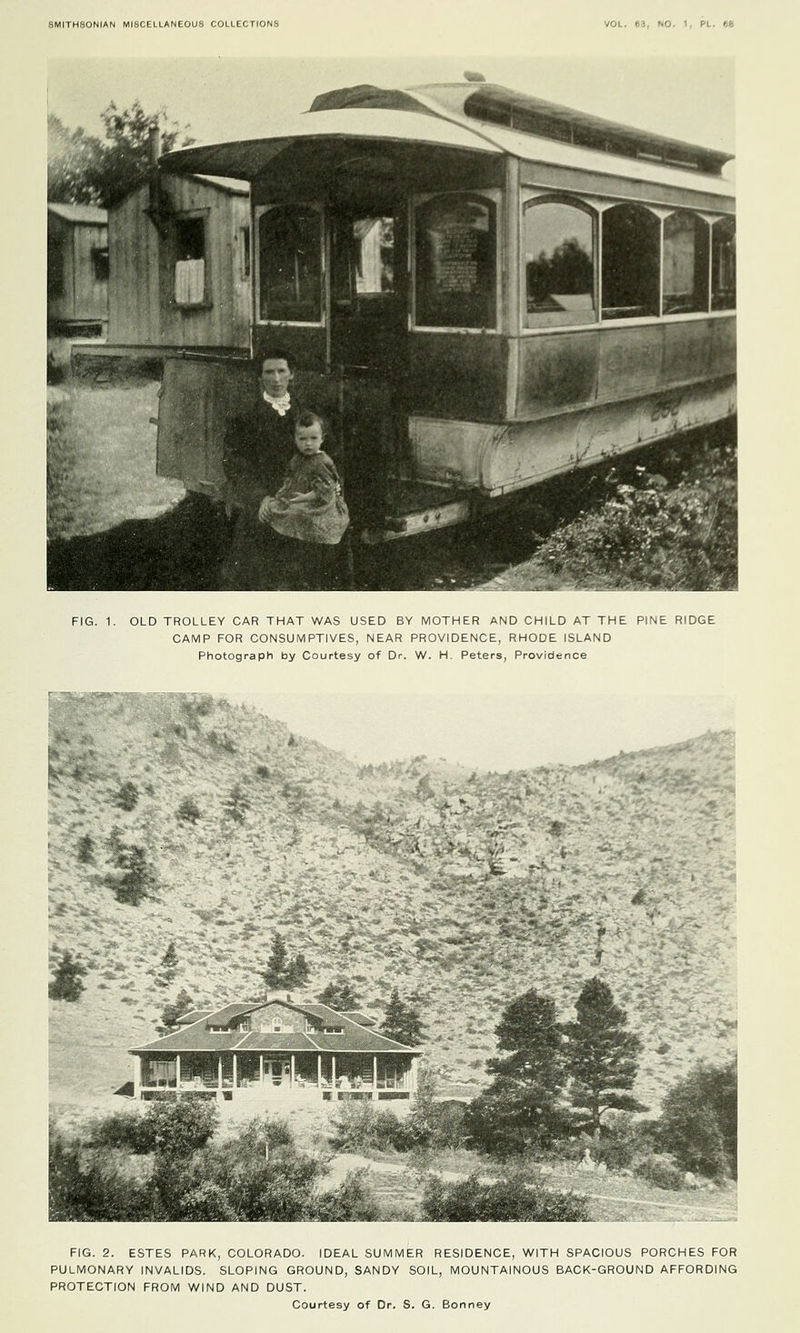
(255, 459)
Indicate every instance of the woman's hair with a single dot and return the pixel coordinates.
(276, 354)
(311, 419)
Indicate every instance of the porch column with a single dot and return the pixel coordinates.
(413, 1079)
(333, 1078)
(291, 1075)
(219, 1073)
(137, 1076)
(374, 1078)
(261, 1069)
(177, 1075)
(319, 1071)
(235, 1085)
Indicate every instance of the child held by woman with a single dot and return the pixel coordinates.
(308, 509)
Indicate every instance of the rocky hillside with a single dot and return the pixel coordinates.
(462, 888)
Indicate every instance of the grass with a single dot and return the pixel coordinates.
(102, 458)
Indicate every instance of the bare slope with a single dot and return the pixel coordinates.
(462, 888)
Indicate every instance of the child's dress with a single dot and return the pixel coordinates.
(322, 519)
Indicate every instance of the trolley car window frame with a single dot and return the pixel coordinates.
(700, 291)
(644, 285)
(718, 302)
(493, 198)
(260, 212)
(716, 298)
(556, 319)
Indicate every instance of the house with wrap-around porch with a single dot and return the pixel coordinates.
(276, 1049)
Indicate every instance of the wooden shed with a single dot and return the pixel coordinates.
(179, 265)
(77, 268)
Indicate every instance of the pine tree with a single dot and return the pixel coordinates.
(401, 1022)
(86, 849)
(188, 811)
(138, 880)
(602, 1055)
(127, 796)
(67, 984)
(298, 971)
(339, 994)
(523, 1106)
(237, 804)
(169, 964)
(275, 973)
(172, 1012)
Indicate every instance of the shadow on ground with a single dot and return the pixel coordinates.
(181, 549)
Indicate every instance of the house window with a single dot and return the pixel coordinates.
(277, 1025)
(332, 1029)
(290, 264)
(190, 261)
(558, 248)
(685, 264)
(723, 265)
(630, 262)
(244, 1024)
(100, 263)
(455, 241)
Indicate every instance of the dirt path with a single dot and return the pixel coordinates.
(683, 1207)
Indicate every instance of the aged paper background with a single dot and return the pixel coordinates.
(746, 657)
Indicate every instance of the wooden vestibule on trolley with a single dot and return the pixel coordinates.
(482, 290)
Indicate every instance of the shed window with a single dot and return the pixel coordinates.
(190, 261)
(685, 264)
(558, 247)
(723, 265)
(630, 262)
(55, 266)
(290, 264)
(456, 262)
(100, 263)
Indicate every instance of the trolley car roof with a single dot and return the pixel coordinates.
(452, 117)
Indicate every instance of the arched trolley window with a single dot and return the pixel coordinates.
(559, 266)
(685, 264)
(631, 262)
(455, 269)
(289, 250)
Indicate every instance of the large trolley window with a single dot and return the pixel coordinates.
(685, 264)
(630, 267)
(558, 249)
(455, 262)
(289, 252)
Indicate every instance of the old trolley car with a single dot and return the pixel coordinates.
(480, 289)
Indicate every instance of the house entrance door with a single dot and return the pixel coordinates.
(277, 1073)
